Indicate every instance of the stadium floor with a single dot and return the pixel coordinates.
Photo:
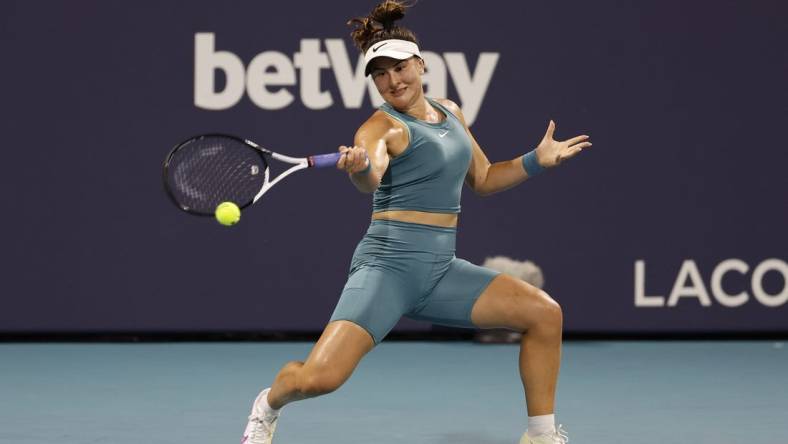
(403, 392)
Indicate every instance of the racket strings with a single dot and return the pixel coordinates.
(207, 171)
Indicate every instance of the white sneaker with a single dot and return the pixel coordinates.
(260, 428)
(557, 437)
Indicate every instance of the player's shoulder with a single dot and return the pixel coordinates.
(453, 107)
(379, 122)
(379, 125)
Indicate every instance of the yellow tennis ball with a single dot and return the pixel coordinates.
(228, 213)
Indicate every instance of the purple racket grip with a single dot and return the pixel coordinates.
(324, 160)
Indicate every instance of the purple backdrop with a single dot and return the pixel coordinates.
(674, 221)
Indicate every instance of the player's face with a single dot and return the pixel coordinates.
(398, 81)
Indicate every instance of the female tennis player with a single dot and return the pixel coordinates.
(414, 154)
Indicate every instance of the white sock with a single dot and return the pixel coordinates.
(263, 404)
(539, 425)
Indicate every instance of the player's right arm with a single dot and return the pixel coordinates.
(368, 159)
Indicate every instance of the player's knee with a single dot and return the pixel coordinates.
(538, 312)
(292, 367)
(552, 318)
(318, 383)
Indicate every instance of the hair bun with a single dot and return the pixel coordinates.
(379, 25)
(388, 12)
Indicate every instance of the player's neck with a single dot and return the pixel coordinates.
(421, 109)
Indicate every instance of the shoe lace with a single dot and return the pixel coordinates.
(261, 428)
(560, 435)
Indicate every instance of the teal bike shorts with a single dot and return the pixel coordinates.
(406, 269)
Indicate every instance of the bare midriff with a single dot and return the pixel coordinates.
(418, 217)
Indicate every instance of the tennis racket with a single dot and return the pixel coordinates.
(204, 171)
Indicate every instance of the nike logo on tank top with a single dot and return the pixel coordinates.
(429, 174)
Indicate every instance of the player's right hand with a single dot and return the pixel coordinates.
(353, 159)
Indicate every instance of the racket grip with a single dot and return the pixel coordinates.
(324, 160)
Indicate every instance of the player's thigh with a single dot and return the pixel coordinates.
(459, 285)
(338, 351)
(375, 298)
(511, 303)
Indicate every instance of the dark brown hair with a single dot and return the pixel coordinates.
(379, 25)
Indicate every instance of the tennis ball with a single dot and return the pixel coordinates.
(228, 213)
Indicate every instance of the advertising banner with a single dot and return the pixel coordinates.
(675, 221)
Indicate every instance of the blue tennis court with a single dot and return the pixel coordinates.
(403, 392)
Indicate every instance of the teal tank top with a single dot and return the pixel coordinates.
(429, 174)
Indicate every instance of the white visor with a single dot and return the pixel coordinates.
(394, 48)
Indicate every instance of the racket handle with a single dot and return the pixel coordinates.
(324, 160)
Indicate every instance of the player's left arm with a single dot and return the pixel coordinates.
(486, 178)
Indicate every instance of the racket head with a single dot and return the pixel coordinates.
(206, 170)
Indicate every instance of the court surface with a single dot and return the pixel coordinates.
(403, 392)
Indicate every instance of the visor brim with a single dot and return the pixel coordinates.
(392, 54)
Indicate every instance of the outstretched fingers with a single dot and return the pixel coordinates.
(578, 139)
(572, 151)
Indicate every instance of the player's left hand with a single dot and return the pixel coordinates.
(551, 152)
